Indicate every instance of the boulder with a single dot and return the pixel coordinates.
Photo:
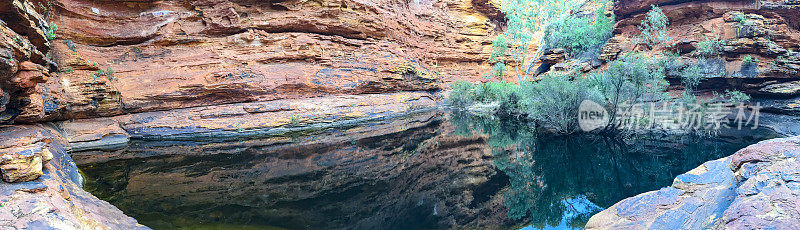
(53, 199)
(23, 153)
(757, 187)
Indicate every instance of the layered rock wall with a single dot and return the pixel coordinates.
(24, 63)
(119, 58)
(748, 45)
(55, 200)
(229, 67)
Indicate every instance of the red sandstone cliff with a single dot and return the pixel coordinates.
(177, 54)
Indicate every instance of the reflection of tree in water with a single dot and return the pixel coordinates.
(562, 181)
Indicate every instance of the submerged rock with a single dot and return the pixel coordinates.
(758, 187)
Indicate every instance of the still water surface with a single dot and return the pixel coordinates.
(431, 170)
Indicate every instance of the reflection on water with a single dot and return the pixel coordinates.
(427, 171)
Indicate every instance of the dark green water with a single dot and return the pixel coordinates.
(428, 171)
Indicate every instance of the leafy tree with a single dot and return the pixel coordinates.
(580, 34)
(526, 19)
(654, 28)
(632, 78)
(690, 78)
(554, 101)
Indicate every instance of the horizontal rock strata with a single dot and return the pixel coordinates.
(52, 196)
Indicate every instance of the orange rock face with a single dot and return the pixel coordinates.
(23, 45)
(166, 55)
(767, 32)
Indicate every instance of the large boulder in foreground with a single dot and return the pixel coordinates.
(758, 187)
(50, 196)
(23, 152)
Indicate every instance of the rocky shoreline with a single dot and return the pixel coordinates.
(757, 187)
(54, 198)
(46, 186)
(218, 69)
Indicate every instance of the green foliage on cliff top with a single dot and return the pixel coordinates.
(525, 19)
(580, 34)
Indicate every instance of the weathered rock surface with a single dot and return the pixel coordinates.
(54, 200)
(100, 133)
(767, 31)
(243, 120)
(757, 187)
(23, 65)
(786, 89)
(23, 152)
(167, 55)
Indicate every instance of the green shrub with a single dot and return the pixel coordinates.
(654, 28)
(553, 102)
(709, 47)
(51, 32)
(461, 95)
(740, 18)
(749, 58)
(630, 79)
(736, 96)
(690, 78)
(579, 35)
(465, 94)
(493, 91)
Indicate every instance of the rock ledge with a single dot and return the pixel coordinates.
(757, 187)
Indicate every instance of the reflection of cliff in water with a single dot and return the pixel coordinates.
(562, 181)
(398, 174)
(429, 170)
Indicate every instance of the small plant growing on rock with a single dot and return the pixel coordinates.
(709, 47)
(108, 73)
(654, 28)
(740, 18)
(750, 59)
(51, 31)
(735, 96)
